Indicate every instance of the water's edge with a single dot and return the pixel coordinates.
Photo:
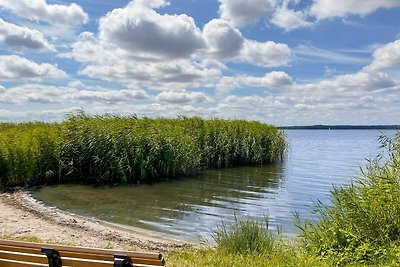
(192, 208)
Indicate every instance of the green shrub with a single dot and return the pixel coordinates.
(363, 222)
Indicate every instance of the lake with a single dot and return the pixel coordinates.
(191, 208)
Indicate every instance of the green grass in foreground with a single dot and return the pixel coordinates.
(289, 257)
(215, 257)
(246, 243)
(113, 149)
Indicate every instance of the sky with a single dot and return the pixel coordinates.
(282, 62)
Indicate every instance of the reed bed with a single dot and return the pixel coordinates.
(114, 149)
(29, 153)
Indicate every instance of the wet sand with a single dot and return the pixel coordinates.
(22, 216)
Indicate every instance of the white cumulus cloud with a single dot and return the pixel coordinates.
(16, 67)
(47, 94)
(182, 97)
(273, 79)
(325, 9)
(289, 19)
(142, 48)
(139, 29)
(368, 96)
(224, 40)
(241, 13)
(265, 54)
(387, 56)
(19, 38)
(108, 95)
(352, 83)
(40, 10)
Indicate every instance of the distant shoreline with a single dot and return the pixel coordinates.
(342, 127)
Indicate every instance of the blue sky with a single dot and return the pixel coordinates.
(284, 62)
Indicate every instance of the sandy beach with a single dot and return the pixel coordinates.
(21, 216)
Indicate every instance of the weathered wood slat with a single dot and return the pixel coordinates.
(11, 263)
(82, 249)
(86, 263)
(26, 254)
(21, 249)
(17, 256)
(155, 262)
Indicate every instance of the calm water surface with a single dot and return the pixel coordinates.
(190, 209)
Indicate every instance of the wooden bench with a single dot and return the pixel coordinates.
(26, 254)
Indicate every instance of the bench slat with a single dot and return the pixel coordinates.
(74, 263)
(90, 263)
(25, 253)
(82, 249)
(155, 262)
(21, 249)
(23, 257)
(11, 263)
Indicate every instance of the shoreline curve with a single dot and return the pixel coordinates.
(22, 216)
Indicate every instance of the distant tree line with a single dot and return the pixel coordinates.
(342, 127)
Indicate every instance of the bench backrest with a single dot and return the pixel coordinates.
(26, 254)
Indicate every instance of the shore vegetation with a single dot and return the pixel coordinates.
(361, 227)
(118, 149)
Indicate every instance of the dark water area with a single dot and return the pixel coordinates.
(192, 208)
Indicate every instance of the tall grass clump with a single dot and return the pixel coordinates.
(111, 149)
(362, 224)
(246, 243)
(29, 153)
(245, 236)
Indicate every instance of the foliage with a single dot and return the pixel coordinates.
(362, 224)
(284, 257)
(361, 227)
(246, 242)
(245, 236)
(29, 153)
(110, 149)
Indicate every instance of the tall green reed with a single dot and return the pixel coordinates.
(110, 148)
(29, 154)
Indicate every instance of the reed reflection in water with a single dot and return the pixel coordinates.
(187, 208)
